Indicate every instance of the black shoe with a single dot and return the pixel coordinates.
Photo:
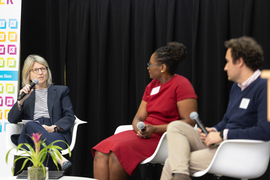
(66, 166)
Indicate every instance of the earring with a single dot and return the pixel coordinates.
(162, 71)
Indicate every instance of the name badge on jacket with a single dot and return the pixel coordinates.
(244, 103)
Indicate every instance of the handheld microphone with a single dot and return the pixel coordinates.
(141, 126)
(194, 116)
(34, 82)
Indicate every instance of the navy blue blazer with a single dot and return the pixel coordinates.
(59, 106)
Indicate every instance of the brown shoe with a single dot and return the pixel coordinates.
(179, 176)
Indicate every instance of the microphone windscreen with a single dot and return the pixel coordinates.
(35, 81)
(140, 125)
(194, 115)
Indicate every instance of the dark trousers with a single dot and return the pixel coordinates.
(36, 127)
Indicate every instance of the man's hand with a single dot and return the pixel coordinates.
(213, 138)
(50, 129)
(202, 135)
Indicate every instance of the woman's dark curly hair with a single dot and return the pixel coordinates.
(171, 55)
(248, 49)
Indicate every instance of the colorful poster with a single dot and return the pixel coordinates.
(10, 18)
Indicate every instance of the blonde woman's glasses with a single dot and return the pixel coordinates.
(36, 70)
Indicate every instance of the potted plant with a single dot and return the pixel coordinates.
(38, 171)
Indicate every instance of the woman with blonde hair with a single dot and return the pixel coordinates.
(47, 105)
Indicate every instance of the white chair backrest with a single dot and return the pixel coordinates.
(123, 128)
(77, 122)
(246, 159)
(10, 130)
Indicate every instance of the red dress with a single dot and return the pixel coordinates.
(162, 109)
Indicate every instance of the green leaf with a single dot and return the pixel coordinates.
(8, 154)
(24, 163)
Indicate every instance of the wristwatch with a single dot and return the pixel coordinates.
(55, 128)
(221, 134)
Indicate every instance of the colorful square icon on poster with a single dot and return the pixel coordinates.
(2, 49)
(6, 2)
(9, 102)
(2, 62)
(11, 62)
(5, 126)
(12, 49)
(13, 24)
(12, 36)
(1, 88)
(2, 37)
(1, 114)
(10, 88)
(1, 101)
(3, 24)
(6, 113)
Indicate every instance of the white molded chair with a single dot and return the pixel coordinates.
(17, 128)
(243, 159)
(161, 152)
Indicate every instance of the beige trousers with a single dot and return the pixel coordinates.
(187, 153)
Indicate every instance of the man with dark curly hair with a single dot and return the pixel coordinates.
(246, 116)
(247, 48)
